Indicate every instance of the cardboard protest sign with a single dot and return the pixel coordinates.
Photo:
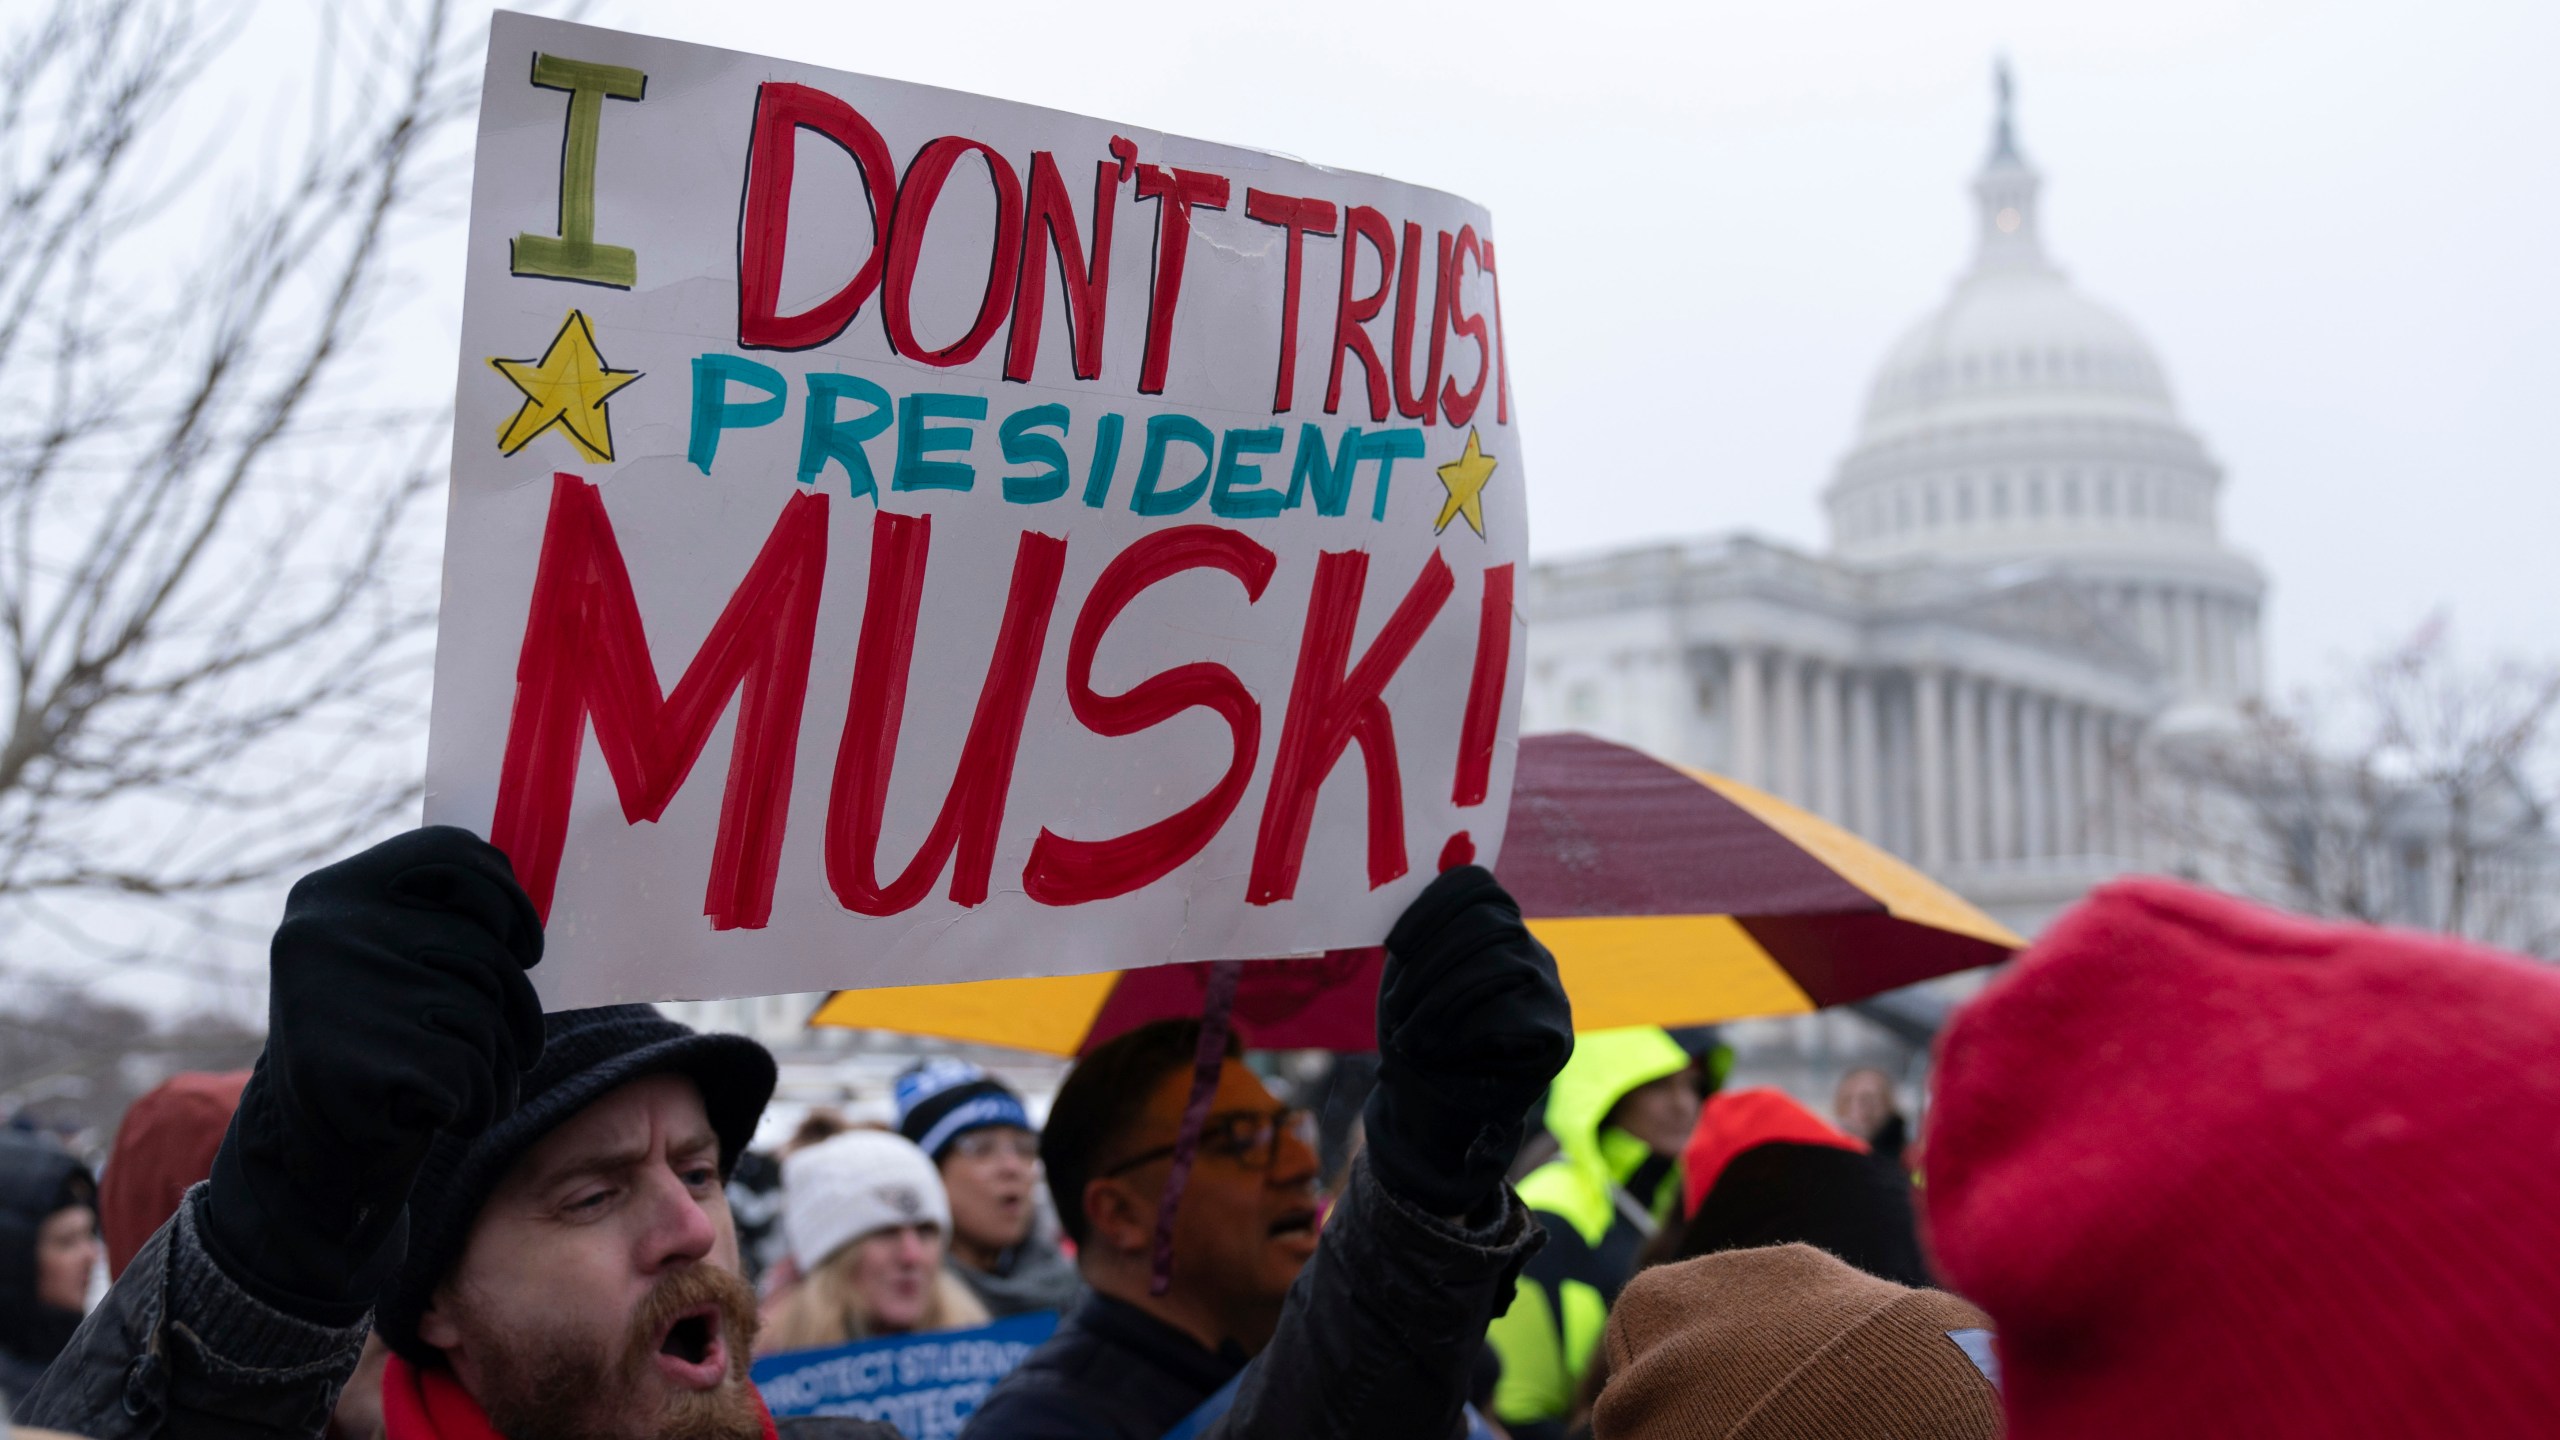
(926, 1385)
(899, 536)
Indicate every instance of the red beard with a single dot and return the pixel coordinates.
(547, 1387)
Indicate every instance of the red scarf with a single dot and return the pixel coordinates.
(432, 1405)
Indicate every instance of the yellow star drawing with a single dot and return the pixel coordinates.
(566, 387)
(1465, 478)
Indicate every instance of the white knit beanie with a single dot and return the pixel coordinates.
(843, 1188)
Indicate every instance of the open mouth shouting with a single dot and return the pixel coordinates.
(1296, 1229)
(693, 1351)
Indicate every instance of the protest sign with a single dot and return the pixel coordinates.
(1215, 1408)
(926, 1385)
(899, 536)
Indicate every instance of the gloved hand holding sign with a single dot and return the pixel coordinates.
(398, 1009)
(1472, 1024)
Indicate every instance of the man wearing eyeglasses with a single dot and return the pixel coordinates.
(1258, 1320)
(980, 1138)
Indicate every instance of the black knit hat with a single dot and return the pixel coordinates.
(585, 1053)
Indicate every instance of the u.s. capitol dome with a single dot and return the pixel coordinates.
(2026, 578)
(2022, 420)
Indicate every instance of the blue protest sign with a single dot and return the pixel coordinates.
(1215, 1408)
(926, 1385)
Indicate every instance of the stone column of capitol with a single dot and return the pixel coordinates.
(2025, 576)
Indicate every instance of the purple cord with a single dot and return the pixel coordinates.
(1206, 1062)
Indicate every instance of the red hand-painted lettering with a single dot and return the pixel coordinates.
(586, 657)
(1071, 872)
(1422, 405)
(1352, 313)
(973, 809)
(917, 194)
(1483, 718)
(783, 110)
(1086, 289)
(1300, 218)
(1177, 193)
(1332, 704)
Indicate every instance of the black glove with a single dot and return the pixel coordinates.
(1472, 1024)
(398, 1008)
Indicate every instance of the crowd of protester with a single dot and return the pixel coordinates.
(2188, 1167)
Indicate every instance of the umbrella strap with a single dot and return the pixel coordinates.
(1206, 1061)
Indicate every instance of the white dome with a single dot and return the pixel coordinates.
(2022, 419)
(2015, 341)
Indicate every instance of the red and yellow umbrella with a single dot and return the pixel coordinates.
(1669, 896)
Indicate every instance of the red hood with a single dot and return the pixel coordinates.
(165, 1144)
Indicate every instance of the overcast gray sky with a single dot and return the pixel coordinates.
(2339, 224)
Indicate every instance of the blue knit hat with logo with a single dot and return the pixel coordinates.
(944, 1098)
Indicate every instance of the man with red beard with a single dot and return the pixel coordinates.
(530, 1210)
(595, 1292)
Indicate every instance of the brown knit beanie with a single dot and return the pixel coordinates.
(1788, 1342)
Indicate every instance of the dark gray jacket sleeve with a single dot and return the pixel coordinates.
(1380, 1333)
(178, 1349)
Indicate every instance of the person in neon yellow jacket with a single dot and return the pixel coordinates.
(1620, 1111)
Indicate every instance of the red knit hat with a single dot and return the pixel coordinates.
(2218, 1170)
(1732, 1121)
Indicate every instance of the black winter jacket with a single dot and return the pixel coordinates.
(1111, 1370)
(180, 1350)
(1378, 1338)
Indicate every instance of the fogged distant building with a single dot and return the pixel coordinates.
(2025, 573)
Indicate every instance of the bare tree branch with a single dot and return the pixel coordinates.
(216, 599)
(2417, 792)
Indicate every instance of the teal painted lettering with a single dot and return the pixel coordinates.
(918, 439)
(1025, 445)
(1387, 449)
(825, 436)
(714, 412)
(1106, 460)
(1151, 498)
(1240, 493)
(1329, 476)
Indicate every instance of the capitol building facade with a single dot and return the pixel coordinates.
(2026, 576)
